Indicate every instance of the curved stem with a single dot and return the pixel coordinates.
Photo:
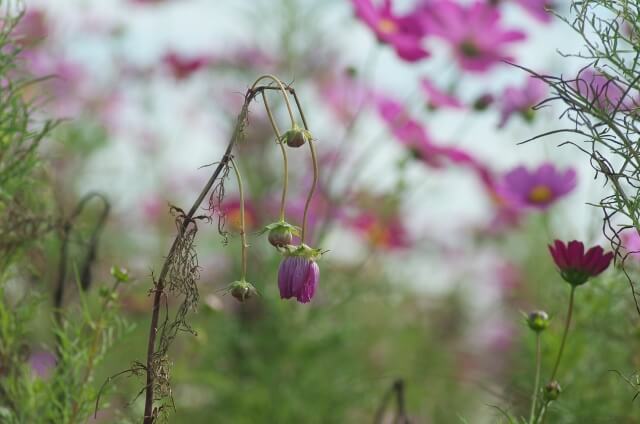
(243, 235)
(543, 412)
(282, 89)
(564, 336)
(536, 384)
(284, 156)
(311, 190)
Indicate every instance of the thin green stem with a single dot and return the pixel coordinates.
(543, 412)
(284, 156)
(536, 384)
(285, 96)
(243, 235)
(564, 336)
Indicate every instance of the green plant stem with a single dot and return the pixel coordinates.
(284, 156)
(243, 234)
(543, 412)
(564, 336)
(536, 384)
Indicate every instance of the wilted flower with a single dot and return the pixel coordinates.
(473, 31)
(521, 100)
(538, 321)
(437, 98)
(299, 273)
(576, 266)
(538, 188)
(403, 33)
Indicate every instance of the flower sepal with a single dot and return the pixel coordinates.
(303, 251)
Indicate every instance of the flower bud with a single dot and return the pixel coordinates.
(296, 137)
(538, 321)
(280, 236)
(242, 290)
(552, 390)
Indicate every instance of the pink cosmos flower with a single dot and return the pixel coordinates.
(437, 98)
(473, 31)
(345, 95)
(538, 9)
(538, 188)
(521, 100)
(576, 266)
(182, 66)
(32, 27)
(605, 92)
(231, 210)
(631, 243)
(409, 131)
(403, 33)
(383, 232)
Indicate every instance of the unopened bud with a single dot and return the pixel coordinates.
(538, 321)
(296, 137)
(552, 390)
(280, 236)
(242, 290)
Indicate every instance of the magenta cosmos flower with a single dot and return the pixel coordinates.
(538, 188)
(538, 9)
(521, 100)
(605, 92)
(299, 273)
(403, 33)
(576, 266)
(182, 66)
(438, 98)
(473, 31)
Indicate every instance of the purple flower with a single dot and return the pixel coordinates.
(403, 33)
(605, 92)
(472, 30)
(631, 243)
(538, 9)
(538, 188)
(299, 274)
(521, 100)
(576, 266)
(42, 363)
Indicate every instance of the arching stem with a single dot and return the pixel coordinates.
(284, 156)
(243, 234)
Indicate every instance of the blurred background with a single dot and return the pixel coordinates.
(430, 261)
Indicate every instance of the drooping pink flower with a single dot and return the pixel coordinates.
(605, 92)
(473, 31)
(299, 274)
(538, 9)
(576, 266)
(403, 33)
(538, 188)
(437, 98)
(182, 66)
(521, 100)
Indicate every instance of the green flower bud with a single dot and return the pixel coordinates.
(242, 290)
(538, 321)
(296, 137)
(552, 390)
(280, 236)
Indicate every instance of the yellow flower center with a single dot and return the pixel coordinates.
(540, 194)
(387, 26)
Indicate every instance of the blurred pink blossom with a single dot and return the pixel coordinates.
(345, 96)
(42, 363)
(437, 98)
(537, 9)
(32, 27)
(231, 209)
(473, 31)
(182, 66)
(606, 92)
(521, 99)
(386, 232)
(403, 33)
(538, 188)
(631, 243)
